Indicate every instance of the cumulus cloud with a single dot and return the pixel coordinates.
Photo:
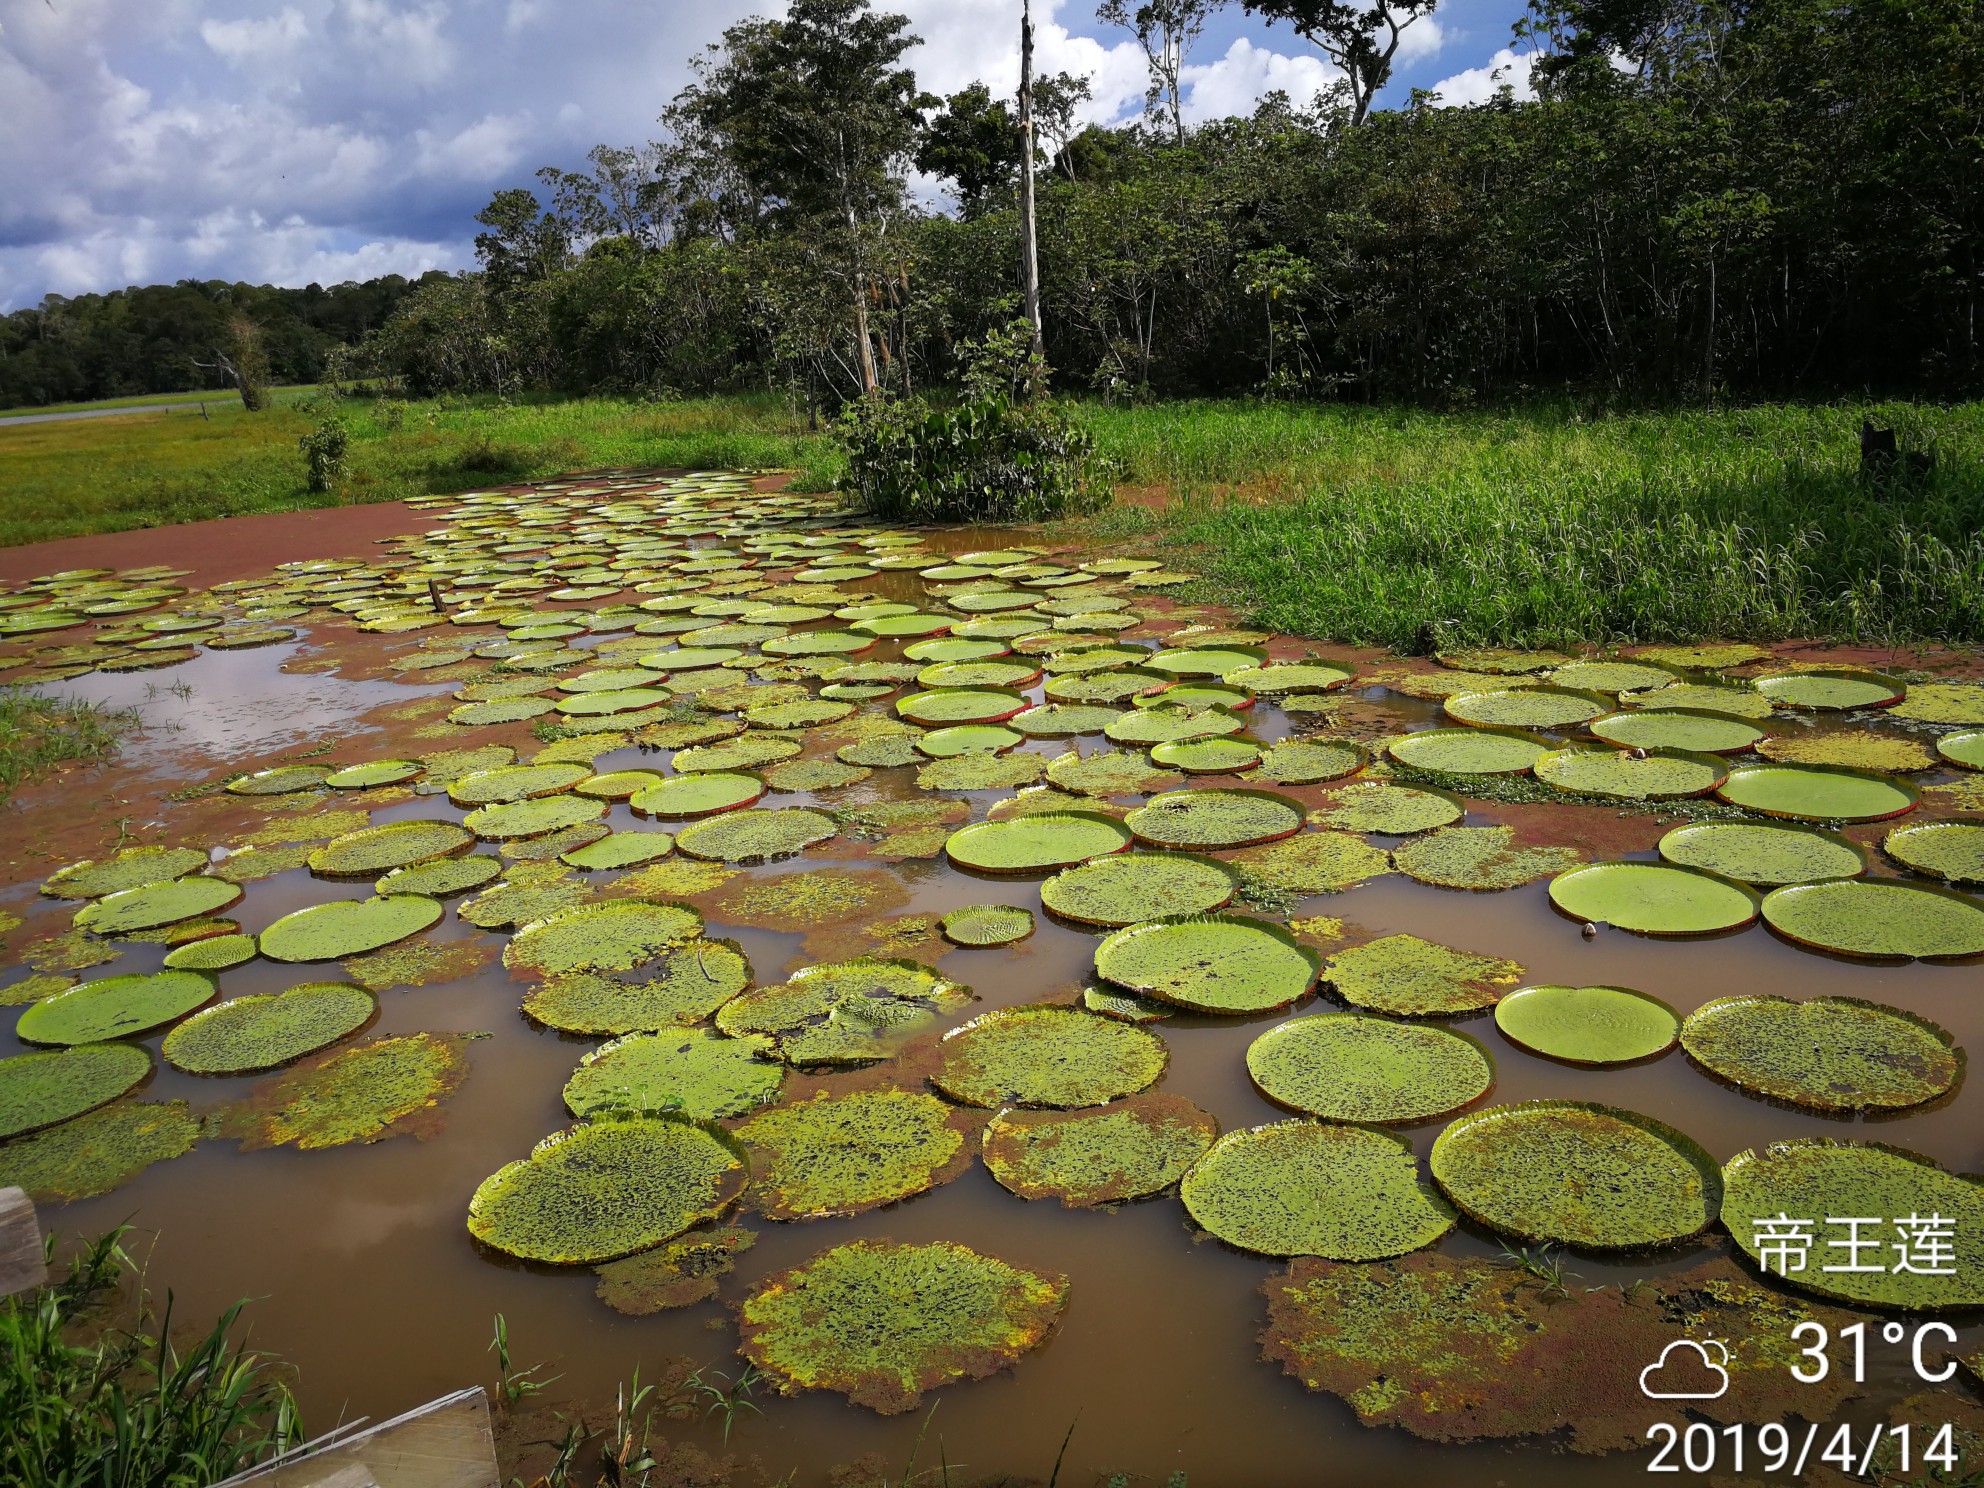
(1237, 80)
(1479, 84)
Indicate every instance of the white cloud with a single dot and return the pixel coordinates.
(1479, 84)
(252, 43)
(1233, 83)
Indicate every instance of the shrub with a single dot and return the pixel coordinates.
(983, 461)
(324, 451)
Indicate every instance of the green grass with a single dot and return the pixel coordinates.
(287, 392)
(38, 734)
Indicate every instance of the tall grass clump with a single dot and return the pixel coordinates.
(38, 733)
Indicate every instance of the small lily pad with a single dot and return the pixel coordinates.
(151, 905)
(846, 1154)
(1631, 775)
(1654, 898)
(1128, 1149)
(97, 1151)
(1952, 851)
(1042, 840)
(1587, 1025)
(1123, 889)
(681, 1273)
(961, 705)
(1225, 964)
(1482, 859)
(1215, 819)
(1047, 1056)
(685, 985)
(348, 927)
(967, 738)
(1818, 792)
(1827, 1053)
(113, 1008)
(1766, 854)
(1388, 810)
(46, 1087)
(987, 925)
(693, 1072)
(1311, 761)
(1357, 1067)
(1877, 918)
(1469, 751)
(1413, 978)
(617, 935)
(250, 1034)
(372, 851)
(214, 953)
(844, 1012)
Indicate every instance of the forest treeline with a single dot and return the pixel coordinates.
(1747, 198)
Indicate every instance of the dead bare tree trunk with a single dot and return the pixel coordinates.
(1029, 246)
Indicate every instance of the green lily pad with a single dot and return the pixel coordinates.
(1942, 702)
(1214, 818)
(441, 878)
(1357, 1067)
(1879, 918)
(113, 1008)
(608, 704)
(372, 851)
(97, 1151)
(883, 752)
(982, 673)
(1388, 810)
(1763, 853)
(282, 780)
(1315, 1188)
(620, 850)
(374, 773)
(1047, 1056)
(1818, 792)
(1654, 898)
(348, 927)
(681, 1273)
(703, 793)
(1064, 720)
(617, 935)
(1121, 890)
(250, 1034)
(687, 984)
(845, 1012)
(1965, 748)
(1817, 1177)
(1311, 761)
(903, 625)
(1587, 1025)
(693, 1072)
(1125, 1007)
(503, 710)
(1611, 676)
(367, 1093)
(1737, 700)
(41, 1089)
(132, 868)
(1952, 851)
(151, 905)
(214, 953)
(1206, 661)
(607, 1189)
(1526, 708)
(1573, 1173)
(1482, 859)
(1631, 775)
(755, 836)
(974, 772)
(1208, 756)
(1128, 1149)
(881, 1322)
(1828, 1053)
(1709, 656)
(961, 705)
(1855, 748)
(1210, 963)
(508, 783)
(1469, 751)
(1160, 725)
(1413, 978)
(956, 649)
(1499, 661)
(1831, 689)
(1281, 678)
(967, 738)
(747, 753)
(1029, 844)
(1310, 863)
(532, 818)
(846, 1154)
(1110, 772)
(1678, 728)
(1122, 685)
(987, 925)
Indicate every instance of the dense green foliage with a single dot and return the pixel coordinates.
(983, 461)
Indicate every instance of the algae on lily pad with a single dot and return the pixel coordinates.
(1128, 1149)
(1412, 978)
(113, 1007)
(681, 1273)
(151, 905)
(1870, 917)
(1587, 1025)
(1573, 1173)
(283, 779)
(607, 1189)
(1857, 748)
(1482, 859)
(844, 1012)
(1951, 851)
(617, 935)
(1764, 853)
(688, 984)
(755, 836)
(846, 1154)
(1311, 863)
(534, 817)
(1654, 898)
(46, 1087)
(693, 1071)
(1359, 1067)
(248, 1034)
(1526, 708)
(1469, 751)
(1125, 888)
(508, 783)
(1388, 810)
(367, 1093)
(97, 1151)
(441, 878)
(806, 901)
(1032, 843)
(984, 925)
(1942, 702)
(882, 1322)
(132, 868)
(1224, 964)
(1111, 772)
(347, 927)
(1125, 1007)
(1047, 1056)
(372, 851)
(1818, 792)
(974, 772)
(1827, 1053)
(1611, 676)
(1311, 761)
(1215, 819)
(1631, 774)
(1315, 1188)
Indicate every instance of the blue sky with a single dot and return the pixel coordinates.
(287, 141)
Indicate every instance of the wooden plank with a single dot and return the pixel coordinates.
(21, 1265)
(446, 1443)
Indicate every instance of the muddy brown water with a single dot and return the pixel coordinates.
(365, 1277)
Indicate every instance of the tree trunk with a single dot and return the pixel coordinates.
(1029, 251)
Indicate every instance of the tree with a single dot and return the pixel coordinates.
(242, 360)
(631, 192)
(1055, 100)
(975, 144)
(524, 244)
(1167, 30)
(1359, 39)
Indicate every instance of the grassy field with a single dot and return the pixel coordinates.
(1531, 525)
(286, 393)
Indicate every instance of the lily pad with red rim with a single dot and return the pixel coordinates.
(1825, 1053)
(1587, 1025)
(1818, 792)
(1654, 898)
(1878, 918)
(1035, 842)
(1764, 853)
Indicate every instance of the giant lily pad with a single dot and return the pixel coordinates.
(40, 1089)
(985, 925)
(1064, 720)
(1389, 810)
(1678, 728)
(151, 905)
(972, 772)
(882, 1322)
(1611, 676)
(1654, 898)
(375, 1090)
(535, 817)
(1121, 890)
(1952, 851)
(1469, 751)
(1831, 689)
(844, 1154)
(1763, 853)
(1829, 1053)
(1572, 1173)
(1310, 761)
(620, 850)
(607, 1189)
(692, 1071)
(1818, 792)
(1965, 748)
(113, 1007)
(1047, 1056)
(1857, 748)
(1114, 772)
(1290, 676)
(1526, 708)
(617, 935)
(681, 1273)
(1210, 963)
(1942, 702)
(348, 927)
(514, 783)
(686, 985)
(755, 836)
(130, 869)
(1866, 917)
(1029, 844)
(284, 779)
(961, 705)
(1311, 863)
(1315, 1188)
(372, 851)
(1125, 1150)
(260, 1033)
(967, 738)
(1356, 1067)
(702, 793)
(1631, 775)
(1478, 858)
(1587, 1025)
(1157, 725)
(97, 1151)
(746, 753)
(1413, 978)
(847, 1012)
(1214, 818)
(1206, 661)
(1736, 700)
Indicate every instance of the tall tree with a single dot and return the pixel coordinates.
(1360, 38)
(1029, 239)
(1167, 30)
(975, 144)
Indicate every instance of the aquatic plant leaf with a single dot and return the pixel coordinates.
(1818, 792)
(882, 1322)
(1110, 772)
(249, 1034)
(151, 905)
(1209, 963)
(1738, 700)
(372, 851)
(419, 963)
(691, 1071)
(1064, 720)
(1611, 676)
(1678, 728)
(618, 850)
(1214, 818)
(805, 901)
(1831, 689)
(214, 953)
(43, 1088)
(532, 818)
(844, 1012)
(885, 751)
(1867, 917)
(1654, 898)
(961, 705)
(1942, 702)
(132, 868)
(681, 1273)
(1526, 708)
(1761, 853)
(702, 793)
(1279, 678)
(1157, 725)
(1125, 888)
(1413, 978)
(689, 984)
(1389, 810)
(113, 1007)
(1499, 661)
(1708, 656)
(1128, 1149)
(1315, 1188)
(97, 1151)
(347, 927)
(967, 738)
(1573, 1173)
(1587, 1025)
(506, 783)
(1312, 863)
(1047, 1056)
(1854, 748)
(987, 924)
(1208, 756)
(846, 1154)
(1951, 851)
(975, 772)
(1029, 844)
(755, 836)
(1631, 775)
(1965, 748)
(617, 935)
(283, 779)
(519, 900)
(1311, 761)
(1125, 1007)
(1828, 1053)
(1482, 859)
(1357, 1067)
(1469, 751)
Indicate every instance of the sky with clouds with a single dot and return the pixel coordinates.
(286, 141)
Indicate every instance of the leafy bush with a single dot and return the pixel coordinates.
(983, 461)
(324, 451)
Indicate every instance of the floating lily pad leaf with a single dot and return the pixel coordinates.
(1828, 1053)
(620, 850)
(98, 1151)
(151, 905)
(1709, 656)
(283, 779)
(1158, 725)
(1631, 775)
(503, 710)
(1831, 689)
(1128, 1149)
(690, 983)
(441, 878)
(1208, 756)
(984, 673)
(954, 649)
(1611, 676)
(250, 1034)
(1818, 792)
(1479, 858)
(1654, 898)
(1125, 1007)
(1210, 963)
(419, 963)
(252, 864)
(815, 775)
(1389, 810)
(1855, 748)
(1314, 1188)
(903, 625)
(1312, 863)
(1215, 818)
(132, 868)
(613, 704)
(1209, 661)
(1526, 708)
(755, 836)
(367, 1093)
(1121, 890)
(617, 935)
(40, 1089)
(961, 705)
(1112, 772)
(679, 1274)
(1356, 1067)
(691, 1071)
(846, 1154)
(1588, 1025)
(1819, 1176)
(372, 851)
(1965, 748)
(1287, 677)
(533, 818)
(881, 753)
(348, 927)
(1573, 1173)
(1469, 751)
(1953, 851)
(703, 793)
(1065, 720)
(747, 753)
(1413, 978)
(882, 1322)
(1942, 702)
(1125, 684)
(1734, 700)
(113, 1008)
(846, 1012)
(1311, 761)
(1047, 1056)
(1867, 917)
(806, 901)
(1678, 728)
(973, 772)
(514, 783)
(1198, 695)
(377, 772)
(607, 1189)
(1029, 844)
(967, 738)
(1764, 853)
(1502, 662)
(987, 925)
(215, 953)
